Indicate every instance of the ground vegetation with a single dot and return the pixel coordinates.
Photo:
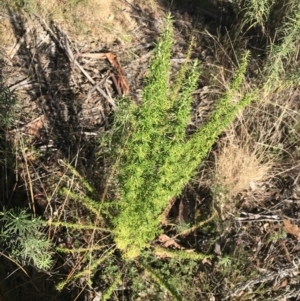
(149, 150)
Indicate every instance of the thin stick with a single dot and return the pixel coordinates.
(18, 45)
(29, 184)
(71, 57)
(16, 263)
(116, 84)
(108, 93)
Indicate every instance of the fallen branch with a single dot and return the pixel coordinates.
(121, 83)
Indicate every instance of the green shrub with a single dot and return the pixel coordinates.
(23, 239)
(156, 158)
(7, 102)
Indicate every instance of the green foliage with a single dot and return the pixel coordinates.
(82, 180)
(88, 271)
(78, 226)
(106, 295)
(235, 267)
(255, 12)
(155, 128)
(90, 204)
(7, 102)
(281, 53)
(225, 261)
(162, 281)
(157, 159)
(180, 255)
(171, 275)
(24, 239)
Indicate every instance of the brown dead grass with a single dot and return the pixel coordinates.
(102, 20)
(257, 144)
(241, 163)
(96, 23)
(7, 37)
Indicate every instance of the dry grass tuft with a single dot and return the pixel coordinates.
(240, 163)
(258, 144)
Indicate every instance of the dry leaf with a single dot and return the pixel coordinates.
(121, 83)
(34, 126)
(291, 228)
(284, 283)
(205, 260)
(190, 250)
(121, 79)
(167, 241)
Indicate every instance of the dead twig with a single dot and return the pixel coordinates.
(275, 276)
(120, 75)
(258, 217)
(19, 43)
(103, 81)
(29, 184)
(25, 84)
(116, 84)
(71, 57)
(107, 91)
